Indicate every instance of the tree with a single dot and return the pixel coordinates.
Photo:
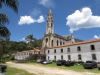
(4, 18)
(10, 47)
(37, 43)
(11, 3)
(33, 42)
(4, 32)
(30, 38)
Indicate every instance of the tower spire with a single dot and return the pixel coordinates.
(50, 11)
(50, 25)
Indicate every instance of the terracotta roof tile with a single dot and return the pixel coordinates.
(78, 43)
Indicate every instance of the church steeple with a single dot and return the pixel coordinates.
(50, 25)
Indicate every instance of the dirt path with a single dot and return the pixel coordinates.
(41, 70)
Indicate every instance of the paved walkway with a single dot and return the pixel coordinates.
(42, 70)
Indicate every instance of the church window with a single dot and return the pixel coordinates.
(68, 49)
(46, 40)
(55, 51)
(52, 43)
(51, 24)
(48, 51)
(69, 57)
(94, 57)
(39, 53)
(54, 57)
(48, 57)
(63, 43)
(79, 57)
(57, 42)
(61, 50)
(78, 48)
(61, 57)
(92, 47)
(60, 42)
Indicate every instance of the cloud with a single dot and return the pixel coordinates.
(23, 39)
(97, 37)
(47, 3)
(26, 20)
(40, 20)
(29, 20)
(82, 19)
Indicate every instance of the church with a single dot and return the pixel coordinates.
(51, 39)
(57, 47)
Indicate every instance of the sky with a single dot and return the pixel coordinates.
(78, 17)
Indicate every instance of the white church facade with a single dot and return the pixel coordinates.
(57, 47)
(80, 51)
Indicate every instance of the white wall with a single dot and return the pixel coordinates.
(21, 56)
(85, 52)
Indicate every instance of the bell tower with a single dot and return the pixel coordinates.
(50, 24)
(48, 38)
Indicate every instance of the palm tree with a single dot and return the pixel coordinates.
(4, 32)
(11, 3)
(4, 18)
(30, 38)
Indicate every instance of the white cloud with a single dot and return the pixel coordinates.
(46, 3)
(40, 20)
(97, 37)
(23, 39)
(82, 19)
(29, 20)
(26, 20)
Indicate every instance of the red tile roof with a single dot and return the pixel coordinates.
(78, 43)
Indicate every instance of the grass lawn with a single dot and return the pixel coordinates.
(14, 71)
(78, 68)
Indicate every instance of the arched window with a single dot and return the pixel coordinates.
(60, 42)
(57, 42)
(46, 40)
(51, 24)
(52, 43)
